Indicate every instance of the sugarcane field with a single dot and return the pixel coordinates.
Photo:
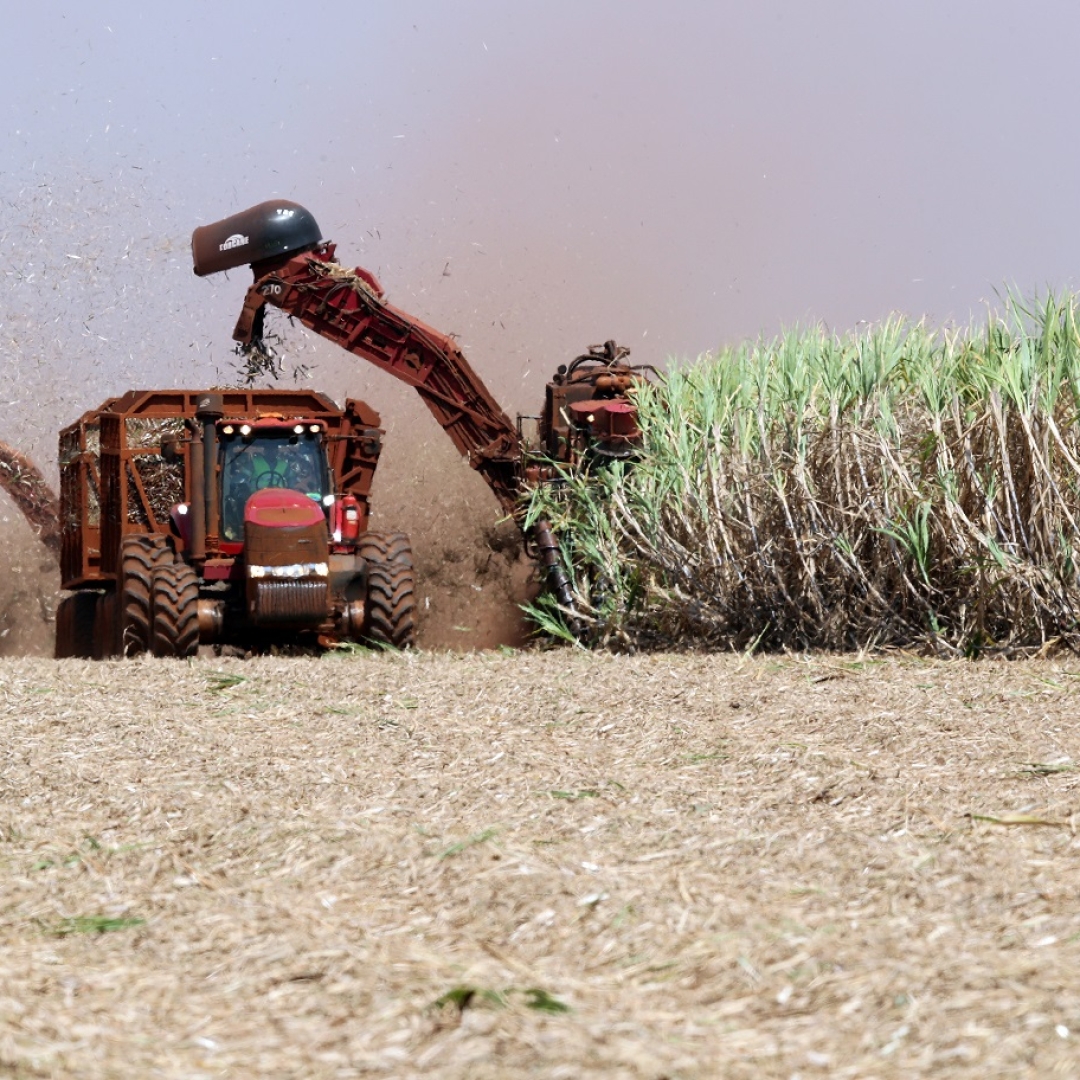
(539, 542)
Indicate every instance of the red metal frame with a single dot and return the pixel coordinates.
(105, 497)
(347, 308)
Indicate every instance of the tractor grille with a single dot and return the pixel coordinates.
(278, 603)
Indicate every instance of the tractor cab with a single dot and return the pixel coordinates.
(260, 455)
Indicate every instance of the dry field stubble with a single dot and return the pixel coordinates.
(720, 866)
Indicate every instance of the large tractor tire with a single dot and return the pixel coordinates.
(140, 556)
(175, 606)
(75, 626)
(106, 631)
(390, 607)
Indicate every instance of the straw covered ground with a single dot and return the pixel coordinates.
(539, 864)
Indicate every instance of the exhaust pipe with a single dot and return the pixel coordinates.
(209, 409)
(197, 471)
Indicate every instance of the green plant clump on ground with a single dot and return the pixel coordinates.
(899, 486)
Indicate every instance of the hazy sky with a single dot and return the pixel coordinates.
(674, 175)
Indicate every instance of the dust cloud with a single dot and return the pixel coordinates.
(472, 574)
(531, 178)
(29, 587)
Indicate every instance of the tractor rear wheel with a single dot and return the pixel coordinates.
(175, 608)
(139, 557)
(390, 609)
(75, 626)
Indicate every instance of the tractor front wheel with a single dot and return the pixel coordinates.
(140, 556)
(390, 610)
(175, 611)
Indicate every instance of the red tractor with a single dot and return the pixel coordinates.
(225, 517)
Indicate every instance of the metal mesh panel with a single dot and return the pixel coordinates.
(93, 501)
(148, 431)
(136, 512)
(163, 482)
(80, 503)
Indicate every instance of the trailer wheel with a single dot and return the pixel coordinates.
(175, 597)
(75, 626)
(139, 557)
(64, 643)
(390, 610)
(106, 642)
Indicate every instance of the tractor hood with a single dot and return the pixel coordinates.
(282, 508)
(288, 562)
(264, 232)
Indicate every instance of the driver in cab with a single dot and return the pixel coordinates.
(270, 468)
(259, 465)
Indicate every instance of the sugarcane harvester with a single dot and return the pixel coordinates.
(587, 411)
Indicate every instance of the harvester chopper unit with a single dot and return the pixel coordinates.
(240, 516)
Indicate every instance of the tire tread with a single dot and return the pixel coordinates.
(175, 627)
(390, 608)
(140, 556)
